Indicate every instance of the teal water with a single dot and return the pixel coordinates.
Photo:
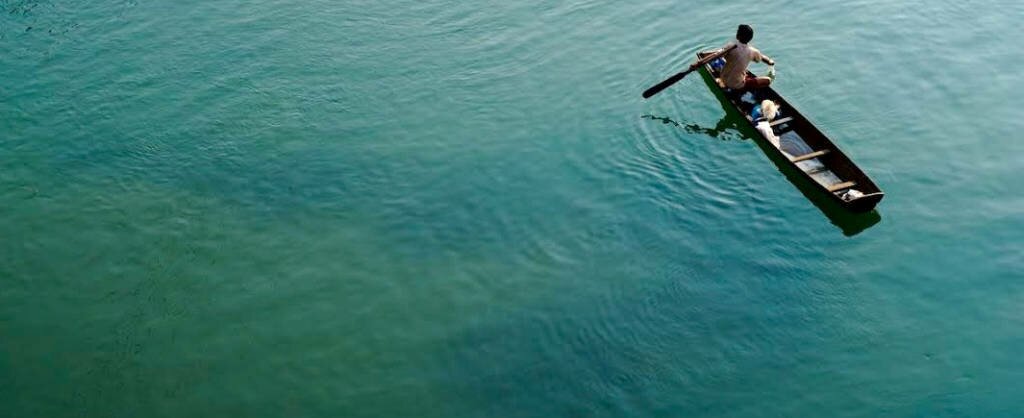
(464, 209)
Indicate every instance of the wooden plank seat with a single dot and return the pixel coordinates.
(808, 156)
(841, 186)
(782, 126)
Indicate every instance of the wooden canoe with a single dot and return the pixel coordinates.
(820, 160)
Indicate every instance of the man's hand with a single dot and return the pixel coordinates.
(769, 61)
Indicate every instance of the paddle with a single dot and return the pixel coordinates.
(679, 76)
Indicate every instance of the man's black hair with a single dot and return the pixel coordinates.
(744, 33)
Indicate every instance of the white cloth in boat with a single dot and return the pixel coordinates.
(791, 146)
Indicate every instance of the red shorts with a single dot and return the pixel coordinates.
(750, 82)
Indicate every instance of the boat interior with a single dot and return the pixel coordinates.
(806, 147)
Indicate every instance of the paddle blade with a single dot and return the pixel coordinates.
(665, 84)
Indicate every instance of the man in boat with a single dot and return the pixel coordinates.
(734, 74)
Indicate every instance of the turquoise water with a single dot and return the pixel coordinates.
(452, 209)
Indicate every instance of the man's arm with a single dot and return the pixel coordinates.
(697, 64)
(760, 57)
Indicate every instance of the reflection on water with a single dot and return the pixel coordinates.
(849, 223)
(726, 129)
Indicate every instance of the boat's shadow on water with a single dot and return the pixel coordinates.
(726, 129)
(730, 127)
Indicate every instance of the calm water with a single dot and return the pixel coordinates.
(464, 209)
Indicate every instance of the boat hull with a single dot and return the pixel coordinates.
(834, 159)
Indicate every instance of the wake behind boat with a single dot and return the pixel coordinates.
(802, 145)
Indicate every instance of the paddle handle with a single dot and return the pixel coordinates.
(679, 76)
(657, 88)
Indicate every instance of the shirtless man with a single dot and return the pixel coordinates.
(734, 74)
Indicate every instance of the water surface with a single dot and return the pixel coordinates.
(450, 209)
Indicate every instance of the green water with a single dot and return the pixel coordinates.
(464, 209)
